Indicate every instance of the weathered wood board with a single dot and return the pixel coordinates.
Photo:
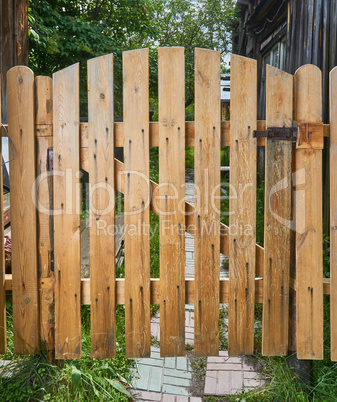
(44, 193)
(20, 81)
(66, 114)
(171, 63)
(207, 199)
(102, 206)
(242, 220)
(136, 202)
(277, 221)
(309, 251)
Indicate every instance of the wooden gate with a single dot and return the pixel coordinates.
(44, 119)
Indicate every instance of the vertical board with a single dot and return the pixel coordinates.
(3, 327)
(102, 206)
(309, 252)
(136, 202)
(20, 84)
(207, 210)
(242, 219)
(333, 212)
(278, 156)
(66, 136)
(171, 91)
(44, 191)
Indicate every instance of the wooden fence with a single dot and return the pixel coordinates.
(44, 115)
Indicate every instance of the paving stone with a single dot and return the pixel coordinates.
(171, 389)
(251, 374)
(253, 383)
(143, 377)
(173, 373)
(170, 362)
(181, 363)
(230, 382)
(224, 366)
(223, 353)
(180, 382)
(146, 396)
(152, 362)
(195, 399)
(211, 381)
(169, 398)
(247, 366)
(156, 380)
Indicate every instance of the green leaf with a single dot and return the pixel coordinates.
(75, 376)
(119, 387)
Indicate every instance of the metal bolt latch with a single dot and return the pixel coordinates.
(278, 133)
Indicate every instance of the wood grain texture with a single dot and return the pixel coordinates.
(207, 210)
(242, 220)
(333, 212)
(3, 325)
(136, 202)
(44, 191)
(309, 254)
(20, 84)
(277, 218)
(67, 213)
(171, 63)
(102, 206)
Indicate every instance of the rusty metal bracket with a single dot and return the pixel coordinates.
(278, 133)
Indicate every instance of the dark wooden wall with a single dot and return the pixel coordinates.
(13, 42)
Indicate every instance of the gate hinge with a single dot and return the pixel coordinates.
(278, 133)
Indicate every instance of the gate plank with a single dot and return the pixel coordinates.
(309, 253)
(3, 326)
(242, 220)
(333, 212)
(137, 202)
(20, 81)
(102, 202)
(207, 211)
(67, 209)
(171, 63)
(279, 112)
(45, 233)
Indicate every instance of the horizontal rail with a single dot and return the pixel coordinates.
(155, 289)
(46, 130)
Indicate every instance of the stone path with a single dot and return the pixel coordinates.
(169, 379)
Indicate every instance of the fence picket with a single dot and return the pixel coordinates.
(20, 82)
(309, 253)
(3, 325)
(171, 63)
(279, 113)
(102, 202)
(67, 218)
(242, 220)
(137, 202)
(44, 190)
(207, 201)
(333, 212)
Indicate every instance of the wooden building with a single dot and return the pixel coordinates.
(288, 34)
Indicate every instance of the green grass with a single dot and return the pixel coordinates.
(34, 378)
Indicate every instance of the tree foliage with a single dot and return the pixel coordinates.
(64, 32)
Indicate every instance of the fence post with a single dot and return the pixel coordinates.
(44, 191)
